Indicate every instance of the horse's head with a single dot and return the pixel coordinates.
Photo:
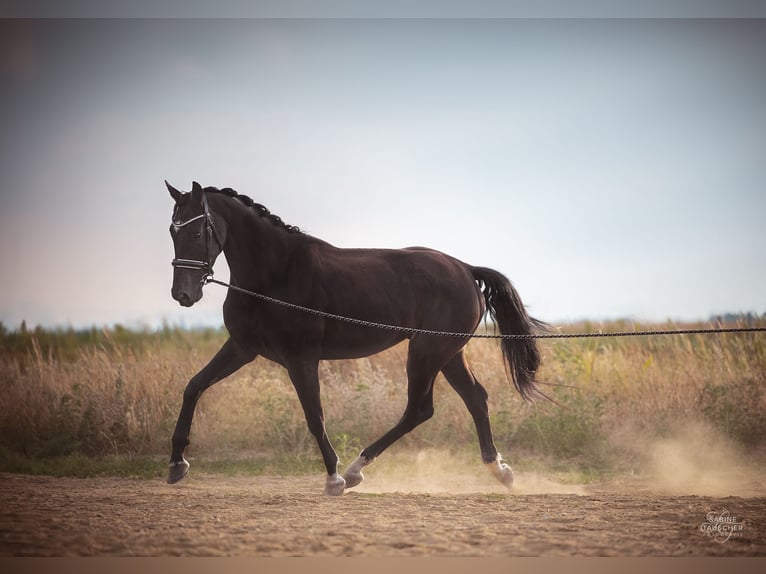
(198, 240)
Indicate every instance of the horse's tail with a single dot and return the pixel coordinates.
(504, 305)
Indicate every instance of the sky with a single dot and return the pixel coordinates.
(610, 168)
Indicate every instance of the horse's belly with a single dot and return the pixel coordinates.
(356, 347)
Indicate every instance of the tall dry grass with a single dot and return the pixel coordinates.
(118, 392)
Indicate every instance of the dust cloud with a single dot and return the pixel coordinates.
(434, 471)
(693, 459)
(698, 460)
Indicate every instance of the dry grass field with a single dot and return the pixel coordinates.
(622, 401)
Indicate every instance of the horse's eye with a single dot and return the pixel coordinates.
(197, 235)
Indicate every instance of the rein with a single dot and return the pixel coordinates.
(415, 331)
(211, 233)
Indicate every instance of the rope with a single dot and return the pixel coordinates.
(416, 331)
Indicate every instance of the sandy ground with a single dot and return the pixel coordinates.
(210, 515)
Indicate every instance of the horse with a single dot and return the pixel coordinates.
(415, 288)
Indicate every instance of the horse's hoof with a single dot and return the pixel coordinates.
(335, 485)
(353, 478)
(177, 470)
(502, 472)
(353, 474)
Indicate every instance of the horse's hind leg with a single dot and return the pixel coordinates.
(420, 408)
(474, 396)
(228, 359)
(424, 361)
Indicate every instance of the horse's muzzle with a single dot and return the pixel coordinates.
(184, 300)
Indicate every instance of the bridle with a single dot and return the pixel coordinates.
(210, 233)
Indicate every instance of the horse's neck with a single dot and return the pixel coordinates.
(256, 249)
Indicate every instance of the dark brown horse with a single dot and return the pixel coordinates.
(414, 287)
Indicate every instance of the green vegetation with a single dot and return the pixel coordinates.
(104, 401)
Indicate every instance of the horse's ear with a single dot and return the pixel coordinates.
(174, 193)
(196, 192)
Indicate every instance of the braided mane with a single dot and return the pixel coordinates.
(261, 209)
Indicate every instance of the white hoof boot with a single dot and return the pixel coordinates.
(177, 470)
(502, 472)
(353, 474)
(334, 485)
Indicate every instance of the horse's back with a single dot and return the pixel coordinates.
(416, 286)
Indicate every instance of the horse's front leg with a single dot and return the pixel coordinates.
(305, 378)
(228, 359)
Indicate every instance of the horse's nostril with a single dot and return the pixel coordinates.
(184, 299)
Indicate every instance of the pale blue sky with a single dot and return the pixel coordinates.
(611, 168)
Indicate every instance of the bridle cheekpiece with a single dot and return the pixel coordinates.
(210, 233)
